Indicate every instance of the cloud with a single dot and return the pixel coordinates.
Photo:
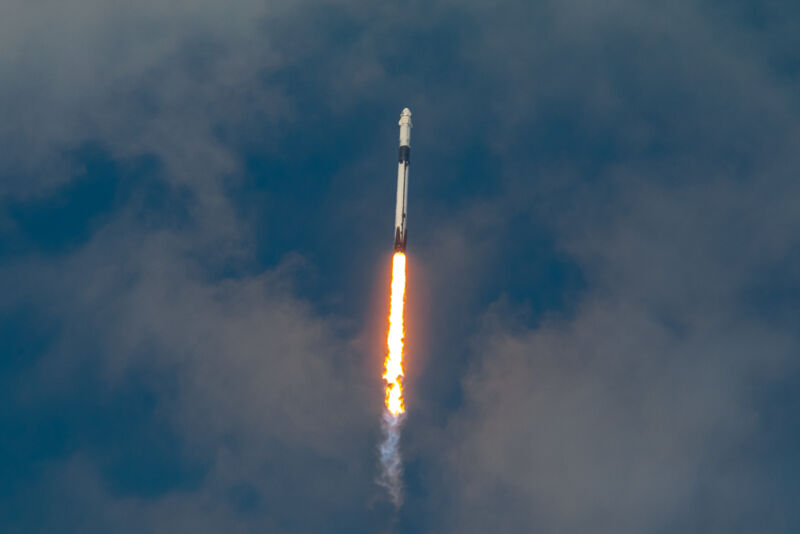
(640, 412)
(616, 179)
(260, 398)
(621, 418)
(162, 318)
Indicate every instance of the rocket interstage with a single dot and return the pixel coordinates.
(400, 234)
(391, 462)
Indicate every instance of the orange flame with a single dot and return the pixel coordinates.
(393, 366)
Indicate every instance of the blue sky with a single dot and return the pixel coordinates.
(195, 238)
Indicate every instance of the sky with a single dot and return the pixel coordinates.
(196, 201)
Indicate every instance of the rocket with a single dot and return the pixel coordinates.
(400, 234)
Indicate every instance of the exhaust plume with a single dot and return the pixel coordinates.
(391, 461)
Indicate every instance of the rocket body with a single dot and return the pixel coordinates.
(402, 182)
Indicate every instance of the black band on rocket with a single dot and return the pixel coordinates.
(405, 153)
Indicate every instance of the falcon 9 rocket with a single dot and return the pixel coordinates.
(400, 234)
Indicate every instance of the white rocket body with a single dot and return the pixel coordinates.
(402, 182)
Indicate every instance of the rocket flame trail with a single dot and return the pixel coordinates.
(392, 474)
(393, 375)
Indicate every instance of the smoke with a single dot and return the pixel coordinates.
(391, 461)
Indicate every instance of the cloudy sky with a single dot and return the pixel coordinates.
(196, 201)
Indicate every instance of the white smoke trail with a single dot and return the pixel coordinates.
(391, 462)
